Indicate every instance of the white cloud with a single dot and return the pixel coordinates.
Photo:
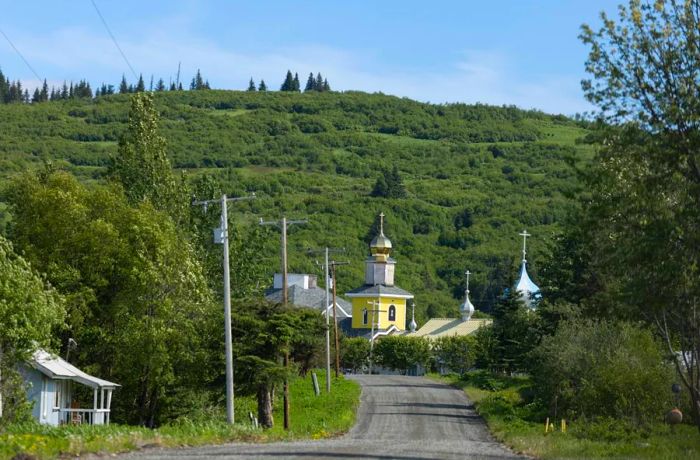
(475, 76)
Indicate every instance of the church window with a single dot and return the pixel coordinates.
(392, 313)
(364, 316)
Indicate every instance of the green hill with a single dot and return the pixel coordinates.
(475, 175)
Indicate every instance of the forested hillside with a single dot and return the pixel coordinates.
(474, 176)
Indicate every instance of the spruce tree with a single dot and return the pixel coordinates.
(262, 86)
(288, 84)
(160, 86)
(318, 85)
(44, 93)
(326, 86)
(310, 83)
(140, 86)
(172, 86)
(25, 98)
(123, 86)
(64, 91)
(296, 86)
(36, 97)
(4, 87)
(251, 85)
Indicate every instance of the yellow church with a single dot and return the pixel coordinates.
(379, 306)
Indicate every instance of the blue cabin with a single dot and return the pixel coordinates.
(51, 386)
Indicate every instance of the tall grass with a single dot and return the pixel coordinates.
(519, 424)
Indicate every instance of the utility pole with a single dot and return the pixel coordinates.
(283, 226)
(221, 237)
(375, 309)
(326, 251)
(335, 319)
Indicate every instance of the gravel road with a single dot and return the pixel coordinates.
(399, 418)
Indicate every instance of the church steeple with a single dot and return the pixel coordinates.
(413, 324)
(467, 309)
(380, 247)
(528, 290)
(379, 268)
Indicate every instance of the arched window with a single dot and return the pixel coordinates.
(364, 316)
(392, 313)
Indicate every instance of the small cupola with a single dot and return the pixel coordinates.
(380, 247)
(467, 308)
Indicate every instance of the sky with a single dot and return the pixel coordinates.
(515, 52)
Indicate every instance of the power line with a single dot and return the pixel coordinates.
(113, 39)
(21, 56)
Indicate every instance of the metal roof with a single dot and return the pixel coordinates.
(57, 368)
(442, 327)
(313, 298)
(379, 290)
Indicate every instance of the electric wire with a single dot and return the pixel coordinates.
(113, 38)
(21, 56)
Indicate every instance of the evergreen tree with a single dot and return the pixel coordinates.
(513, 332)
(179, 86)
(288, 84)
(25, 98)
(36, 97)
(310, 83)
(251, 85)
(198, 82)
(326, 86)
(389, 184)
(160, 86)
(262, 86)
(150, 87)
(140, 86)
(64, 91)
(4, 87)
(172, 86)
(296, 86)
(318, 84)
(44, 93)
(123, 86)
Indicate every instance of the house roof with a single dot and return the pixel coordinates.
(57, 368)
(379, 290)
(442, 327)
(313, 298)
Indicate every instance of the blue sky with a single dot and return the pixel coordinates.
(498, 52)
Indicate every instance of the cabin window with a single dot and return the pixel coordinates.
(57, 395)
(392, 313)
(364, 316)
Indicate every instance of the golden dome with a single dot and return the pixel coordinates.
(380, 245)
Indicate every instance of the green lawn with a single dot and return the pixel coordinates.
(509, 417)
(312, 416)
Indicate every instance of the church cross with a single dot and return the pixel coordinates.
(524, 234)
(381, 223)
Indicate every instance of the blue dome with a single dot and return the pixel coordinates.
(529, 291)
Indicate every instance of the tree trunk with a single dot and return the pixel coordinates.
(265, 407)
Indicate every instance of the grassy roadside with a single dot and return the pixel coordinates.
(513, 421)
(311, 416)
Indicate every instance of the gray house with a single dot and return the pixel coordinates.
(51, 384)
(303, 291)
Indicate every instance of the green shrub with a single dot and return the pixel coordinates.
(590, 369)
